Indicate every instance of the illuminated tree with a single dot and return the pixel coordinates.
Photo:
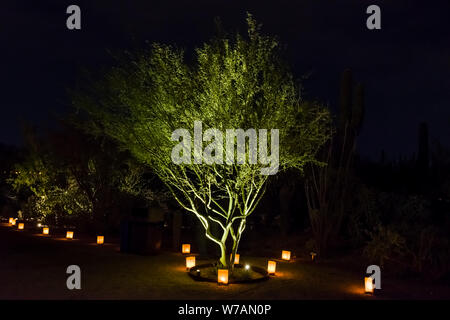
(46, 183)
(234, 83)
(67, 175)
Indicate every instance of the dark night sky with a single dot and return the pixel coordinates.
(405, 67)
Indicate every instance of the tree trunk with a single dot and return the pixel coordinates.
(223, 255)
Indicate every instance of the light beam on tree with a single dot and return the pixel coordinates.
(235, 82)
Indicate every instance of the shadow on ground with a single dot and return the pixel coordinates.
(34, 267)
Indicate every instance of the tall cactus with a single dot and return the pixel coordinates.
(358, 109)
(351, 114)
(423, 156)
(345, 98)
(328, 188)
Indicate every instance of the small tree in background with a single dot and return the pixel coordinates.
(235, 83)
(69, 176)
(50, 190)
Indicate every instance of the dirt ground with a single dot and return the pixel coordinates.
(33, 266)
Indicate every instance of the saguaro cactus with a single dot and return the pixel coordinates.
(358, 109)
(327, 187)
(423, 148)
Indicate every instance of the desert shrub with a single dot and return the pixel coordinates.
(386, 244)
(407, 237)
(364, 216)
(431, 253)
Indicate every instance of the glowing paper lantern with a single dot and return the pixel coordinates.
(45, 231)
(271, 267)
(222, 276)
(236, 258)
(190, 262)
(186, 248)
(21, 226)
(13, 223)
(100, 239)
(286, 255)
(313, 255)
(11, 220)
(69, 235)
(368, 283)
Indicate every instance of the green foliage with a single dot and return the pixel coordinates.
(136, 181)
(234, 82)
(50, 187)
(385, 244)
(68, 176)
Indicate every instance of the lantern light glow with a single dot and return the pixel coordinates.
(368, 283)
(46, 230)
(69, 235)
(236, 258)
(21, 226)
(286, 255)
(186, 248)
(271, 267)
(11, 220)
(100, 239)
(222, 276)
(190, 262)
